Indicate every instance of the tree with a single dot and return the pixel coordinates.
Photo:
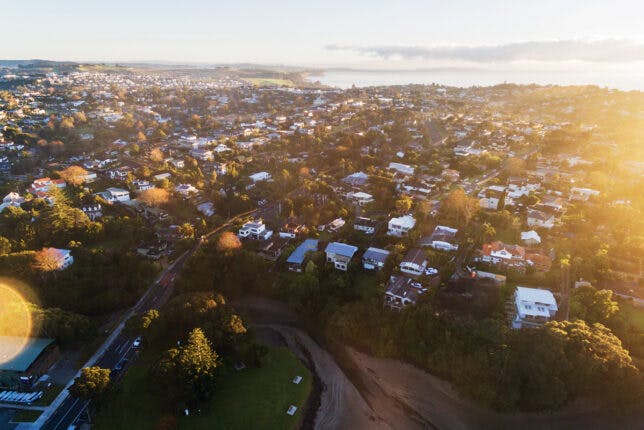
(515, 166)
(591, 305)
(186, 230)
(92, 383)
(5, 245)
(228, 242)
(189, 371)
(154, 197)
(73, 175)
(48, 260)
(458, 208)
(403, 205)
(156, 155)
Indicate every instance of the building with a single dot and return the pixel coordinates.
(492, 197)
(296, 260)
(401, 292)
(255, 230)
(43, 185)
(403, 169)
(537, 218)
(442, 238)
(500, 253)
(272, 248)
(582, 194)
(530, 238)
(360, 198)
(186, 190)
(357, 179)
(221, 168)
(11, 199)
(35, 358)
(401, 226)
(374, 258)
(340, 254)
(260, 176)
(112, 195)
(414, 262)
(365, 225)
(93, 212)
(142, 185)
(291, 229)
(533, 307)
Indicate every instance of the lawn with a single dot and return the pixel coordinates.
(252, 398)
(633, 314)
(265, 82)
(26, 416)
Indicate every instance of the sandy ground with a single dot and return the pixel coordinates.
(396, 395)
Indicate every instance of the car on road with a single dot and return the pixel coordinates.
(119, 365)
(137, 342)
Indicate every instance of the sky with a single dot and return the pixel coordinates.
(350, 33)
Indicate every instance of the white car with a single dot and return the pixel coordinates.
(431, 271)
(137, 342)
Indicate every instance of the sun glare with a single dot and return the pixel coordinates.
(15, 321)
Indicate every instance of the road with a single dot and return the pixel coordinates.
(117, 348)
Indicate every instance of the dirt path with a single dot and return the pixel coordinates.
(396, 395)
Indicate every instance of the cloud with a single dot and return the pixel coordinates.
(600, 51)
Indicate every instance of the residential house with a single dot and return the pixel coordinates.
(582, 194)
(401, 292)
(93, 212)
(291, 229)
(221, 168)
(365, 225)
(401, 226)
(537, 218)
(206, 208)
(113, 195)
(357, 179)
(340, 254)
(43, 185)
(414, 262)
(142, 185)
(533, 307)
(186, 190)
(492, 197)
(500, 253)
(360, 198)
(403, 169)
(530, 238)
(296, 260)
(260, 176)
(272, 248)
(374, 258)
(255, 230)
(442, 238)
(11, 199)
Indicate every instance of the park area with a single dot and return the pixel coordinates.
(255, 398)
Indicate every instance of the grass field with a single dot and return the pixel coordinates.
(252, 398)
(26, 416)
(267, 82)
(634, 314)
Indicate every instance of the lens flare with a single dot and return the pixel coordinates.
(15, 322)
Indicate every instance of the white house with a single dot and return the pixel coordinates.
(11, 199)
(400, 226)
(537, 218)
(186, 189)
(206, 208)
(401, 168)
(113, 195)
(365, 225)
(142, 185)
(255, 230)
(360, 198)
(414, 262)
(582, 194)
(442, 238)
(260, 176)
(534, 307)
(530, 238)
(340, 254)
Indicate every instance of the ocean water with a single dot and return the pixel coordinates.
(622, 80)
